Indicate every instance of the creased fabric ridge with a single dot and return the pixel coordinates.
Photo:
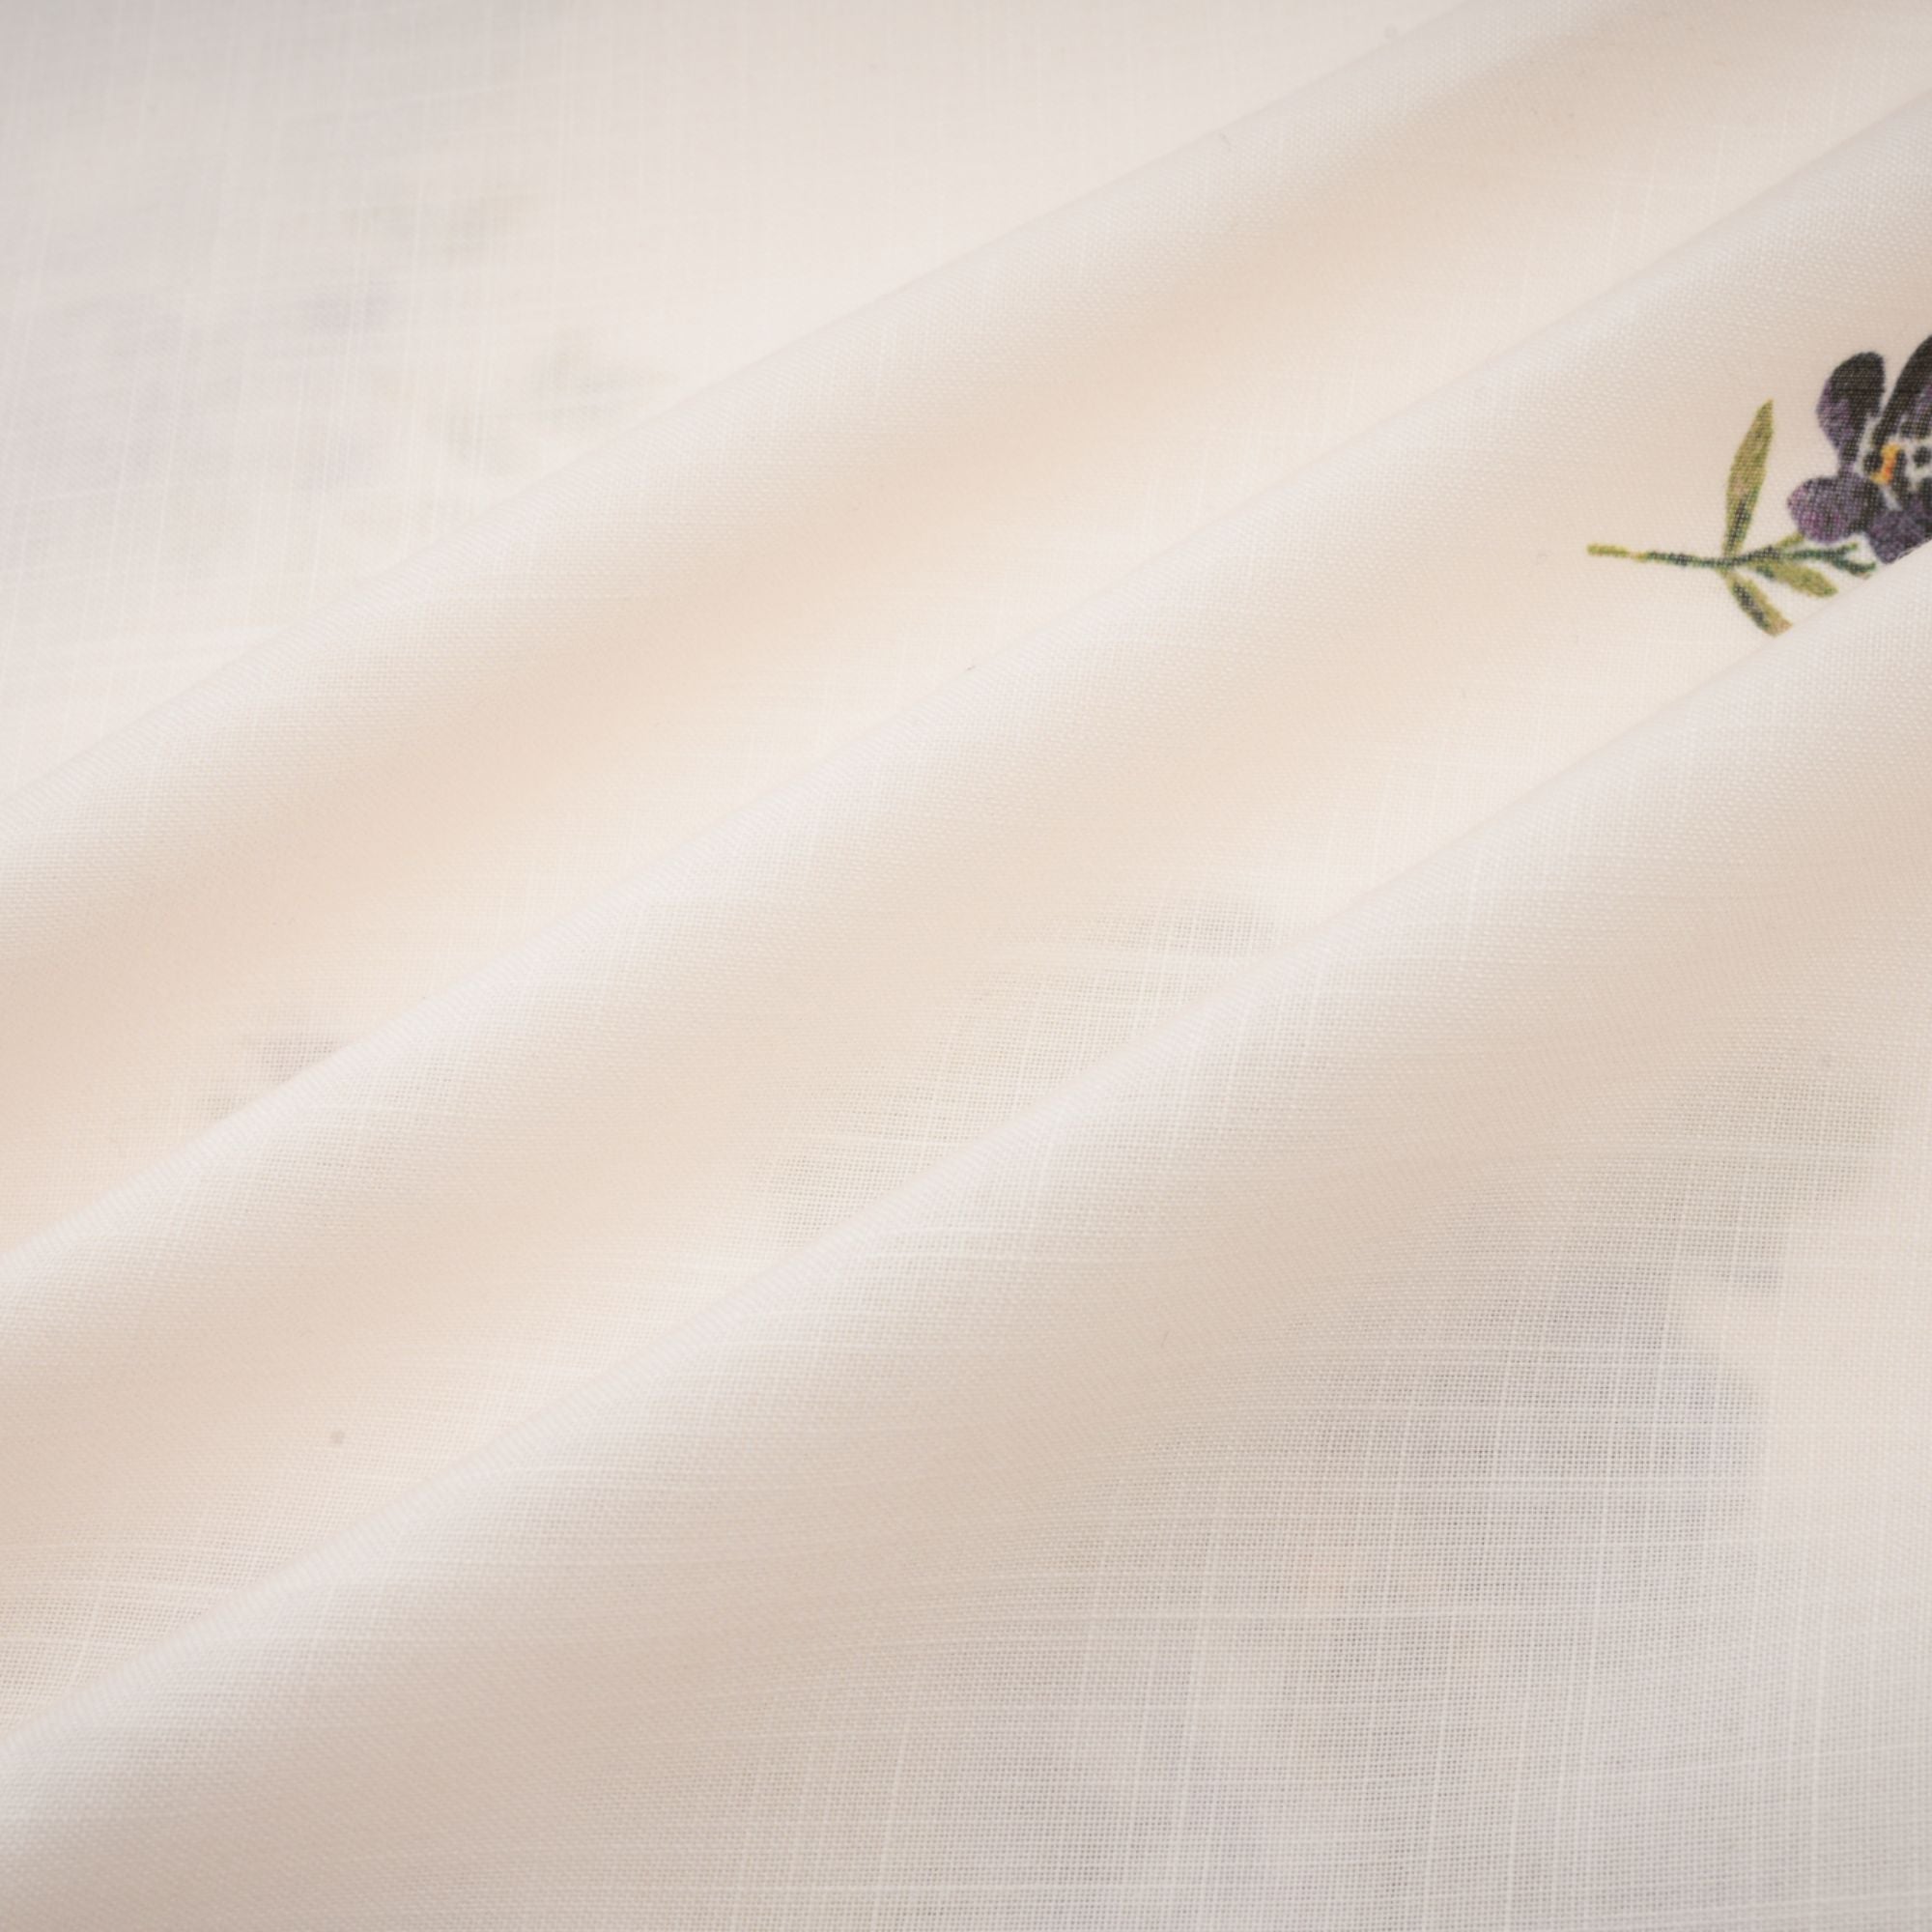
(827, 956)
(1139, 1185)
(1104, 1107)
(384, 798)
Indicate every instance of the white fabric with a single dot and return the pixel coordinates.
(1028, 1123)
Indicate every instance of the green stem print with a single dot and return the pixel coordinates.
(1790, 561)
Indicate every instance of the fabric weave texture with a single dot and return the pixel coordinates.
(884, 1042)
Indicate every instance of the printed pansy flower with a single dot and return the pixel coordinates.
(1874, 510)
(1882, 490)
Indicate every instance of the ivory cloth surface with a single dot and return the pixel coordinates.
(966, 966)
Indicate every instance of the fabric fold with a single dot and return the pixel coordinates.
(592, 1140)
(1106, 1107)
(384, 798)
(647, 1579)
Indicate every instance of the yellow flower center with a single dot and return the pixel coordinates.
(1889, 462)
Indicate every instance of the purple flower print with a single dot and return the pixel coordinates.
(1883, 489)
(1875, 508)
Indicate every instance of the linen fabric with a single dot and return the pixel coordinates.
(1099, 1097)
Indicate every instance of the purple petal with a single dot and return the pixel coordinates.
(1829, 509)
(1892, 533)
(1853, 393)
(1909, 412)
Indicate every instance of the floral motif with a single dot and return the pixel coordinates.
(1883, 489)
(1874, 508)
